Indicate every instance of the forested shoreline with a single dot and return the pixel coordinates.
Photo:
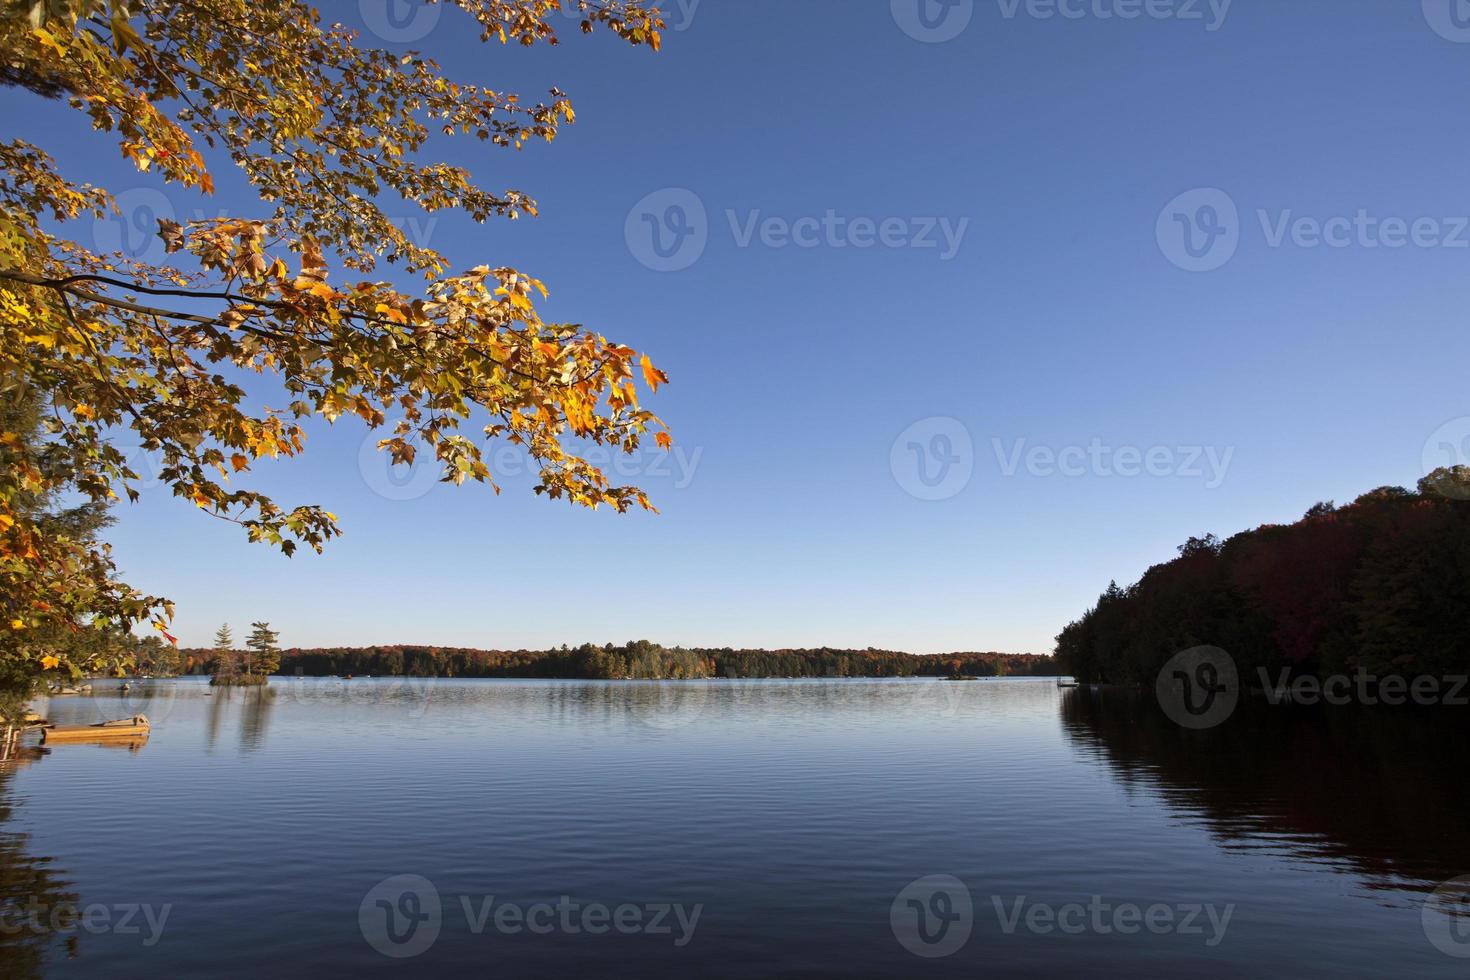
(1379, 586)
(639, 660)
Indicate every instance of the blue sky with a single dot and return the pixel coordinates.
(882, 441)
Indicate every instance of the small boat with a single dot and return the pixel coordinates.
(962, 677)
(133, 727)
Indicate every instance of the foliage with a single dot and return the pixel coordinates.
(318, 125)
(233, 679)
(57, 649)
(642, 659)
(265, 650)
(1380, 585)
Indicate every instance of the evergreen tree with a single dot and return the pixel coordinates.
(224, 652)
(265, 650)
(49, 650)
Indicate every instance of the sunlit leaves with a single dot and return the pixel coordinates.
(319, 125)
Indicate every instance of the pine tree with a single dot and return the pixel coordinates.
(224, 651)
(262, 642)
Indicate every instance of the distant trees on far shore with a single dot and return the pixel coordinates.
(645, 660)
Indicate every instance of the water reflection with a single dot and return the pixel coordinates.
(31, 889)
(254, 705)
(1377, 791)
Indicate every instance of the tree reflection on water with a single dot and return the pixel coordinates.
(29, 883)
(1377, 788)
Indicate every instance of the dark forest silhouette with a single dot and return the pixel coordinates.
(1381, 586)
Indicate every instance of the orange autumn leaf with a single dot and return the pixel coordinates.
(651, 374)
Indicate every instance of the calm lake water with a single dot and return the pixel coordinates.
(732, 829)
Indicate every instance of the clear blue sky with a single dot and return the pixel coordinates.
(1063, 317)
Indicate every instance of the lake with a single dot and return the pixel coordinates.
(731, 829)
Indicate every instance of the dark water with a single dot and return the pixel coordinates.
(815, 828)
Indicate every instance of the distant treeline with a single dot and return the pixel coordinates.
(1380, 585)
(644, 660)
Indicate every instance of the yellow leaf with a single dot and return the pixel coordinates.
(239, 461)
(17, 624)
(50, 663)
